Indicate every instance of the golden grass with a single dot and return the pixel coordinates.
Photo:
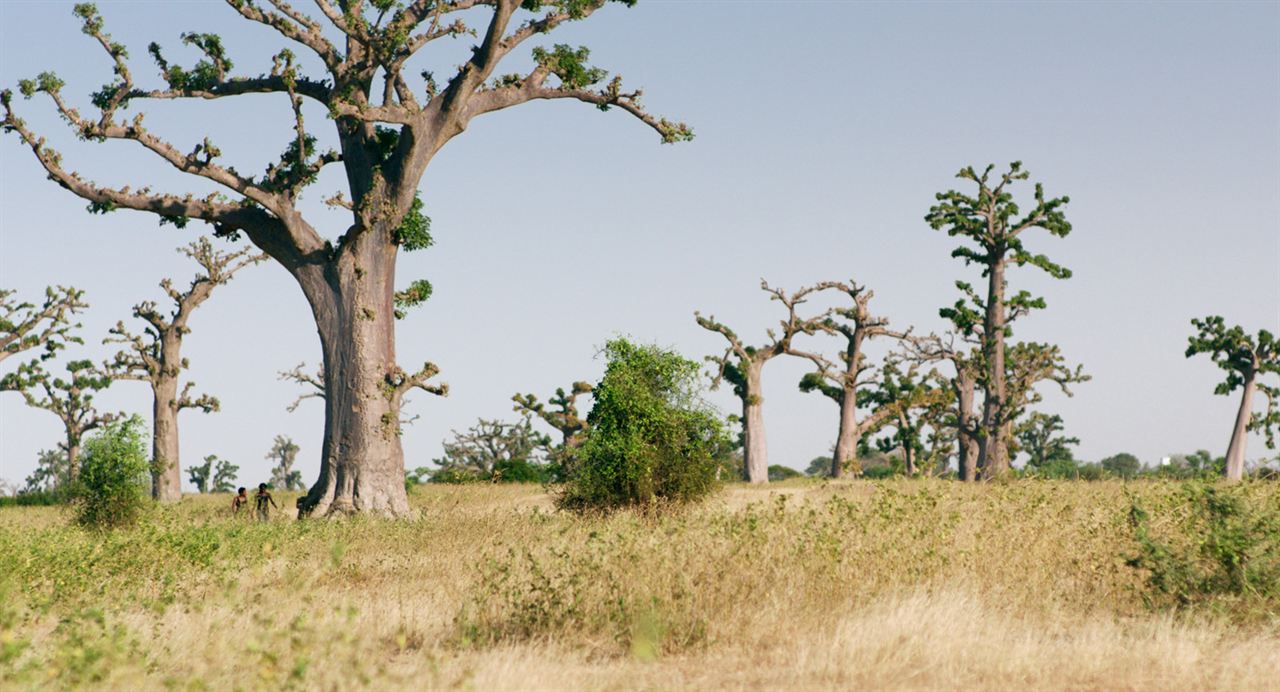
(902, 585)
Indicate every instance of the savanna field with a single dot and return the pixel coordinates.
(804, 584)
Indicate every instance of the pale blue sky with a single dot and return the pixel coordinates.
(823, 130)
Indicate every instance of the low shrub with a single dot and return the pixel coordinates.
(652, 440)
(111, 490)
(1221, 548)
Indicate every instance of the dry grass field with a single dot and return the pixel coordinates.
(802, 585)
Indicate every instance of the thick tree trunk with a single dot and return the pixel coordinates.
(1240, 434)
(166, 472)
(362, 462)
(846, 453)
(993, 448)
(967, 462)
(755, 452)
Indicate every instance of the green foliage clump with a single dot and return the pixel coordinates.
(114, 476)
(652, 440)
(778, 472)
(1124, 465)
(1223, 553)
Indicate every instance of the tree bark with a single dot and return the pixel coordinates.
(166, 472)
(73, 462)
(993, 448)
(846, 454)
(362, 462)
(755, 451)
(1240, 434)
(908, 454)
(967, 462)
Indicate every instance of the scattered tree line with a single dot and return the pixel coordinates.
(967, 394)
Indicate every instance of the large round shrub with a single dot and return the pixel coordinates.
(652, 439)
(114, 475)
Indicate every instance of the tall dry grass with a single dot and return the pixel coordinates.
(909, 585)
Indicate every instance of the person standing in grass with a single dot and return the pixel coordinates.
(264, 502)
(240, 500)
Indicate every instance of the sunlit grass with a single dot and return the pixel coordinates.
(898, 584)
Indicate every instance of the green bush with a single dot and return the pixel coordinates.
(114, 476)
(652, 440)
(1221, 548)
(778, 472)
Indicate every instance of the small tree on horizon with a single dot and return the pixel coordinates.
(214, 475)
(1245, 359)
(1040, 436)
(70, 399)
(284, 453)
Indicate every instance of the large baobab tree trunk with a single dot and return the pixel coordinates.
(362, 462)
(73, 461)
(1240, 433)
(846, 453)
(166, 474)
(755, 450)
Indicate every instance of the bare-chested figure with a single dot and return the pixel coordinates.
(264, 502)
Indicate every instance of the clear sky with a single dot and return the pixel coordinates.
(823, 131)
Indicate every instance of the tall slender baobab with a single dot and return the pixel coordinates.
(25, 326)
(840, 382)
(1245, 359)
(991, 220)
(742, 365)
(389, 125)
(71, 400)
(155, 357)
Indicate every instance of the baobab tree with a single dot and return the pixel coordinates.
(155, 357)
(214, 475)
(564, 417)
(994, 225)
(1040, 436)
(24, 326)
(907, 401)
(965, 360)
(389, 125)
(284, 453)
(1245, 358)
(840, 381)
(742, 365)
(71, 400)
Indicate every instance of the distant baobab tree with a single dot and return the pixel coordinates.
(155, 357)
(742, 365)
(841, 381)
(48, 326)
(70, 399)
(1246, 359)
(994, 225)
(564, 417)
(388, 125)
